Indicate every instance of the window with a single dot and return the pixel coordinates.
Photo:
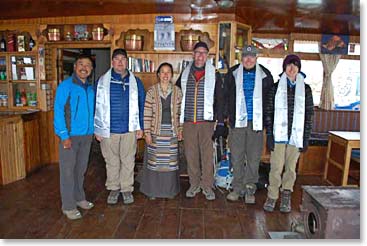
(346, 82)
(306, 46)
(312, 69)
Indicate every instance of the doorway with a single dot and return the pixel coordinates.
(66, 58)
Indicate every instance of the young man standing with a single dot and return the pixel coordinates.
(73, 123)
(247, 85)
(202, 104)
(118, 124)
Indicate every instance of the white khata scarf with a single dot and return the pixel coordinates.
(241, 110)
(102, 114)
(209, 86)
(281, 112)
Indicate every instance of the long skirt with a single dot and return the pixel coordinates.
(160, 177)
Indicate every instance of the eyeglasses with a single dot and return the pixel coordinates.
(200, 52)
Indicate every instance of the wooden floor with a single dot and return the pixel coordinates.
(30, 208)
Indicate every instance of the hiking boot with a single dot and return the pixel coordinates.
(113, 197)
(269, 204)
(285, 202)
(234, 196)
(73, 214)
(192, 191)
(85, 204)
(209, 194)
(250, 194)
(127, 197)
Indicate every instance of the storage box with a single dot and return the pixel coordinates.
(331, 212)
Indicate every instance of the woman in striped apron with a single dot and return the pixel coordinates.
(160, 177)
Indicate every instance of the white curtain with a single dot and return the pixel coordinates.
(329, 63)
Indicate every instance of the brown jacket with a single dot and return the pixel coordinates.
(153, 110)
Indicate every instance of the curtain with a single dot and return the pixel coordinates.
(329, 63)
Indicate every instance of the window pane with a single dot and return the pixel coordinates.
(312, 69)
(346, 82)
(306, 46)
(314, 76)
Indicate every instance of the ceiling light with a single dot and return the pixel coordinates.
(225, 3)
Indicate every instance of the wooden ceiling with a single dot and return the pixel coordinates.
(265, 16)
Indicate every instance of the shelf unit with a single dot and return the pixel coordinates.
(22, 74)
(144, 63)
(232, 37)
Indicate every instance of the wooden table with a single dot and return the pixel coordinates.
(338, 157)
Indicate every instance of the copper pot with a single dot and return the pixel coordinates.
(188, 42)
(53, 34)
(134, 42)
(98, 33)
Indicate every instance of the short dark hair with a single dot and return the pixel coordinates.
(165, 64)
(119, 51)
(84, 56)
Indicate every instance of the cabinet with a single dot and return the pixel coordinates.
(19, 86)
(232, 36)
(12, 164)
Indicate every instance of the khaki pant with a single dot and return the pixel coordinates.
(284, 156)
(119, 154)
(199, 152)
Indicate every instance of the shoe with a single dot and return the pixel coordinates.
(113, 197)
(250, 194)
(192, 191)
(127, 197)
(234, 196)
(85, 204)
(269, 204)
(72, 214)
(209, 194)
(285, 201)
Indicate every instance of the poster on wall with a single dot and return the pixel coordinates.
(164, 33)
(334, 44)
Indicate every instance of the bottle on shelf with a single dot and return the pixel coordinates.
(31, 44)
(2, 44)
(18, 102)
(23, 98)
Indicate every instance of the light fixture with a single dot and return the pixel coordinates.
(225, 4)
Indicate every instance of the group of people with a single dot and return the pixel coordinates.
(201, 106)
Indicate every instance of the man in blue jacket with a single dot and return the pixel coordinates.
(118, 124)
(73, 123)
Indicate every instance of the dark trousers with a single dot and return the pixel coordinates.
(246, 147)
(199, 151)
(73, 165)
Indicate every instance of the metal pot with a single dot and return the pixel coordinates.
(98, 33)
(188, 42)
(134, 42)
(53, 34)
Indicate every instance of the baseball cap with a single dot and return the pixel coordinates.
(249, 50)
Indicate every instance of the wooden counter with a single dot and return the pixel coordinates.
(19, 145)
(338, 157)
(12, 163)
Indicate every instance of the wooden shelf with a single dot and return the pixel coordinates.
(23, 81)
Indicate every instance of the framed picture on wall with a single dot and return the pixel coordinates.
(334, 44)
(20, 43)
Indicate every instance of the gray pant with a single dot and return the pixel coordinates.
(246, 147)
(73, 164)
